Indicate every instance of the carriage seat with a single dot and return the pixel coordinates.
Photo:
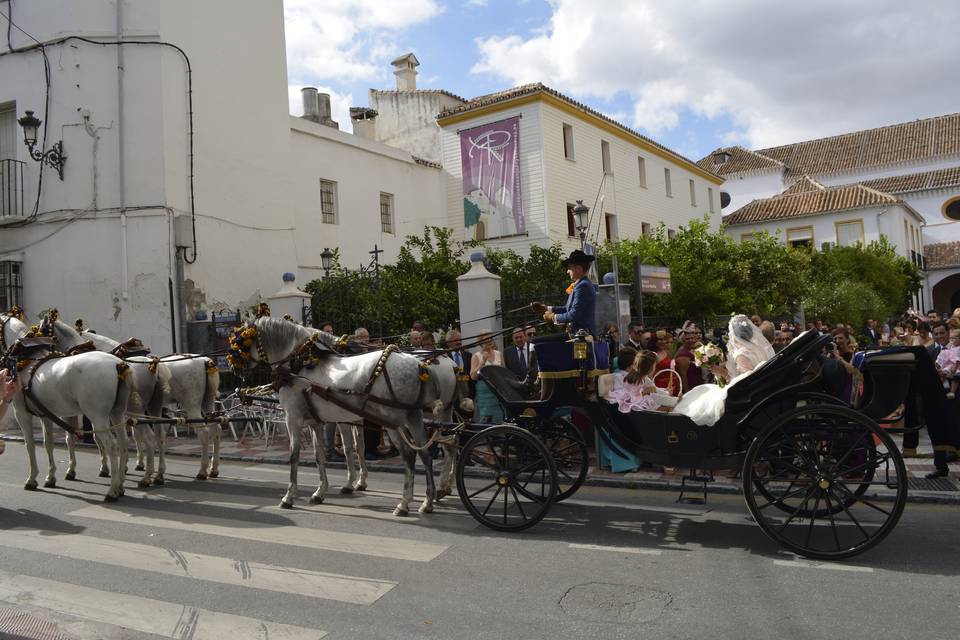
(513, 394)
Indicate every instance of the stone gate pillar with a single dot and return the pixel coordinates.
(289, 300)
(478, 290)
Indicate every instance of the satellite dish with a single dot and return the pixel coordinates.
(724, 199)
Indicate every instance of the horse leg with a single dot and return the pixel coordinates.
(160, 433)
(348, 438)
(409, 457)
(203, 433)
(427, 459)
(293, 430)
(118, 428)
(107, 442)
(104, 465)
(140, 445)
(361, 443)
(71, 473)
(319, 454)
(447, 470)
(145, 433)
(216, 430)
(26, 428)
(51, 480)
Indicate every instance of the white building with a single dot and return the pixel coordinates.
(566, 152)
(901, 181)
(187, 185)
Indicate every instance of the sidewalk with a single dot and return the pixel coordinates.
(941, 490)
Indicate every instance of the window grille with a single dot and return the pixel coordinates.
(11, 284)
(386, 212)
(328, 201)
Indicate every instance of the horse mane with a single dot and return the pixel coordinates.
(277, 334)
(102, 342)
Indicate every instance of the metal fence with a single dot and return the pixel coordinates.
(11, 188)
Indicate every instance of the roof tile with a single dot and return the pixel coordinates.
(944, 254)
(806, 203)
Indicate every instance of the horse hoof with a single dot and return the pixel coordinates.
(120, 491)
(346, 489)
(50, 484)
(158, 482)
(313, 500)
(401, 512)
(286, 505)
(71, 475)
(143, 484)
(426, 508)
(360, 486)
(139, 467)
(442, 493)
(214, 474)
(104, 474)
(30, 486)
(110, 498)
(201, 476)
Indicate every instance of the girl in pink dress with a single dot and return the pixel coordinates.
(948, 361)
(637, 393)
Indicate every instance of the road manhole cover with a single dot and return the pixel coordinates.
(622, 603)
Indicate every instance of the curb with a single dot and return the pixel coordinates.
(672, 485)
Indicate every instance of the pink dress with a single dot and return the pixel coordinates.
(948, 359)
(635, 397)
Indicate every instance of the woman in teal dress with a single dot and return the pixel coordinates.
(486, 407)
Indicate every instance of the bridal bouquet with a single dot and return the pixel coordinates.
(709, 355)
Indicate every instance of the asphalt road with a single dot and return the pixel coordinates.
(218, 559)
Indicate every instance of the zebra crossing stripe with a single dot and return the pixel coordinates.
(377, 546)
(144, 615)
(313, 584)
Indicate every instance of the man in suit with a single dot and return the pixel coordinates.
(517, 356)
(579, 311)
(634, 335)
(871, 333)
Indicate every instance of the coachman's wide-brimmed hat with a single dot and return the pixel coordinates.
(578, 257)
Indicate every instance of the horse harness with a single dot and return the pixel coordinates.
(34, 344)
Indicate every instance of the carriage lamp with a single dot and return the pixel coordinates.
(581, 220)
(53, 157)
(580, 351)
(325, 257)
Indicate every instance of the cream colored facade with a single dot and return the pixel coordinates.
(551, 178)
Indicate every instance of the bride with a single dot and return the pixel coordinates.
(746, 350)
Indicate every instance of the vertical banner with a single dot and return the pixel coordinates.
(490, 162)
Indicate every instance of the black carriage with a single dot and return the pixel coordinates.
(822, 477)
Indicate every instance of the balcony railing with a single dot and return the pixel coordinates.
(11, 188)
(919, 260)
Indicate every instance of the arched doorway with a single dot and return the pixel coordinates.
(946, 294)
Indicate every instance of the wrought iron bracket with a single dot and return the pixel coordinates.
(53, 157)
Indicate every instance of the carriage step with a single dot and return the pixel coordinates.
(693, 477)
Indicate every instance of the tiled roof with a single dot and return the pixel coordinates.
(904, 142)
(807, 203)
(427, 163)
(944, 254)
(936, 179)
(804, 185)
(738, 160)
(538, 87)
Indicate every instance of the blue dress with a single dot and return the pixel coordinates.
(486, 407)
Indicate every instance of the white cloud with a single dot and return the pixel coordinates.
(347, 40)
(780, 72)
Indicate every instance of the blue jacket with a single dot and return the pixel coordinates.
(579, 312)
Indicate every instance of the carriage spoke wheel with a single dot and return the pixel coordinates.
(517, 479)
(570, 455)
(810, 480)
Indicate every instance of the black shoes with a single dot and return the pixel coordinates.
(938, 472)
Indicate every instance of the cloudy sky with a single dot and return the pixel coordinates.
(692, 74)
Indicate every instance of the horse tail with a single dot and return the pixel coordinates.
(161, 390)
(125, 392)
(213, 386)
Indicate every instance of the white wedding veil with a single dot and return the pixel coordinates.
(745, 341)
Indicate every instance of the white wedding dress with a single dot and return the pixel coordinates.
(746, 350)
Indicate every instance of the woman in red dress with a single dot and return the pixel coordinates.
(665, 347)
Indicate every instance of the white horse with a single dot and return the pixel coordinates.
(193, 384)
(384, 387)
(93, 384)
(151, 381)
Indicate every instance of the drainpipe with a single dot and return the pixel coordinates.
(124, 293)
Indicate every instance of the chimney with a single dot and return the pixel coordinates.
(323, 111)
(364, 122)
(405, 69)
(310, 108)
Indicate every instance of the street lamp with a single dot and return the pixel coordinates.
(581, 220)
(325, 257)
(54, 157)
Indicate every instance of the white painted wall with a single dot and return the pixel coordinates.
(408, 120)
(745, 188)
(877, 221)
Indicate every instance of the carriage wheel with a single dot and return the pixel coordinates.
(570, 455)
(806, 476)
(518, 479)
